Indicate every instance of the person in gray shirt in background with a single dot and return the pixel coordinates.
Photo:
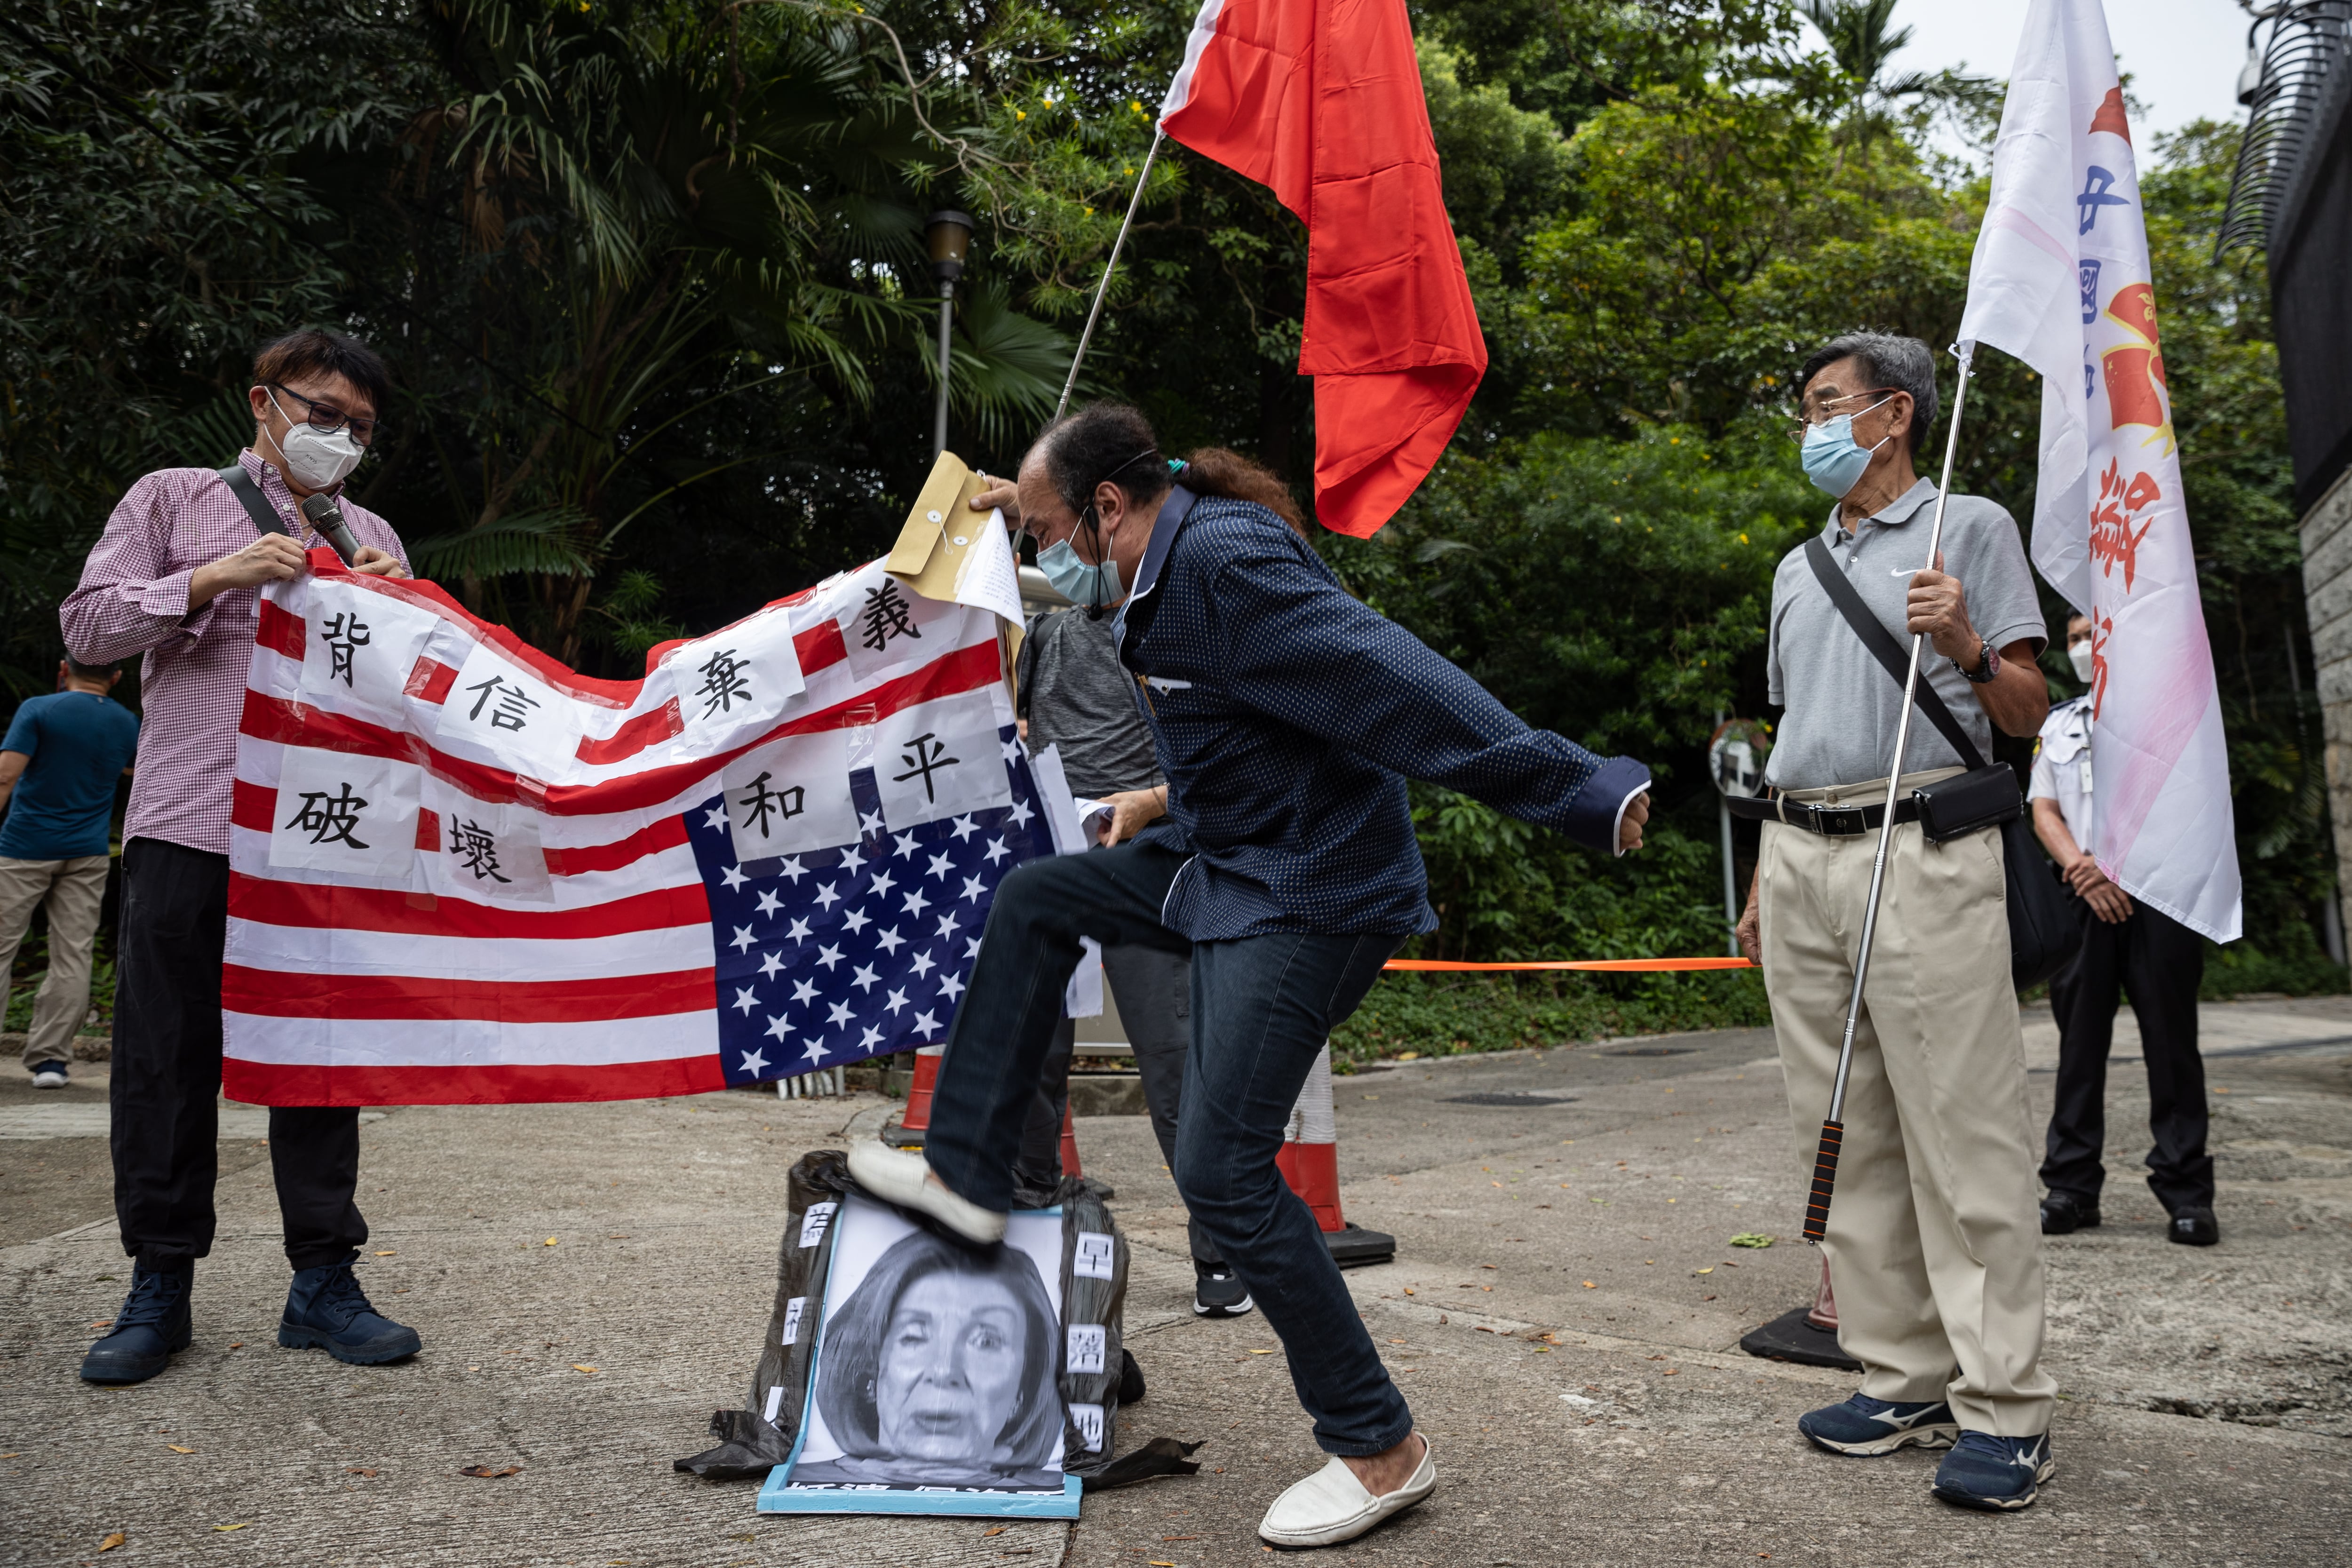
(1074, 694)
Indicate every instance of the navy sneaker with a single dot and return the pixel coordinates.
(1217, 1292)
(327, 1309)
(154, 1325)
(1864, 1428)
(2000, 1475)
(49, 1075)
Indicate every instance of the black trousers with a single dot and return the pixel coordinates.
(2158, 962)
(167, 1077)
(1154, 991)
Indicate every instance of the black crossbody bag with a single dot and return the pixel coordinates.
(2042, 931)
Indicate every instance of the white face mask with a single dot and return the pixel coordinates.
(316, 460)
(2080, 656)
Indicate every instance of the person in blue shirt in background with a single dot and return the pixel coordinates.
(57, 768)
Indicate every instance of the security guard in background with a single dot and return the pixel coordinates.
(2128, 948)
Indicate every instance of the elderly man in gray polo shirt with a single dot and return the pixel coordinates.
(1934, 1244)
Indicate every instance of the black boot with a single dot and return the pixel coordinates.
(2193, 1227)
(2062, 1213)
(154, 1325)
(326, 1307)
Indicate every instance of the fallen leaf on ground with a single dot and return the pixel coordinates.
(993, 1530)
(1260, 1353)
(238, 1346)
(177, 1450)
(1753, 1238)
(103, 1323)
(111, 1542)
(581, 1366)
(549, 1242)
(1590, 1286)
(229, 1527)
(1708, 1270)
(355, 1470)
(1485, 1266)
(484, 1473)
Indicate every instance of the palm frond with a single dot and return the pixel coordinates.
(543, 543)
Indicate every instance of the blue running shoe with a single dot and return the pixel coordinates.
(153, 1326)
(2000, 1475)
(326, 1307)
(1864, 1428)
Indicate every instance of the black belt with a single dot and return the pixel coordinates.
(1836, 821)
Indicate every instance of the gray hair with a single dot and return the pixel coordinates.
(1906, 364)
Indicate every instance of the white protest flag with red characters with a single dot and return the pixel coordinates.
(461, 873)
(2061, 280)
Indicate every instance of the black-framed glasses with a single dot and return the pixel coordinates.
(325, 417)
(1821, 413)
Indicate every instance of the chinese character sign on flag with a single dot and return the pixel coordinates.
(2061, 280)
(462, 873)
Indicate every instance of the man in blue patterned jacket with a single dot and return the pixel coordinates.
(1287, 716)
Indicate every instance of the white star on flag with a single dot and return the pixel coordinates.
(778, 1027)
(895, 1000)
(965, 827)
(804, 990)
(890, 941)
(754, 1062)
(733, 877)
(922, 964)
(716, 816)
(972, 950)
(1022, 813)
(743, 942)
(869, 823)
(815, 1051)
(973, 887)
(915, 902)
(906, 844)
(872, 1037)
(746, 999)
(769, 902)
(865, 978)
(881, 885)
(841, 1014)
(826, 897)
(1012, 748)
(857, 921)
(851, 859)
(949, 925)
(828, 956)
(793, 869)
(770, 964)
(800, 932)
(996, 850)
(951, 986)
(925, 1026)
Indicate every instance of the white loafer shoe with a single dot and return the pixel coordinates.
(1332, 1506)
(903, 1177)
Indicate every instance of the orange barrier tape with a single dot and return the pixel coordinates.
(1617, 966)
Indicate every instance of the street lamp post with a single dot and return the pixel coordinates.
(949, 236)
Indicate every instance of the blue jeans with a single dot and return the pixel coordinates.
(1262, 1008)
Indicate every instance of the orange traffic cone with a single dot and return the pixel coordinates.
(906, 1132)
(1069, 1143)
(1309, 1160)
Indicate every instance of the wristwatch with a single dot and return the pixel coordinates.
(1987, 667)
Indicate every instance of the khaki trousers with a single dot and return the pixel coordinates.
(1934, 1235)
(74, 889)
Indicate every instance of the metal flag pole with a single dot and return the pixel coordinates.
(1817, 1206)
(1102, 289)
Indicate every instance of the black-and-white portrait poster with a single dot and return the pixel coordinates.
(935, 1379)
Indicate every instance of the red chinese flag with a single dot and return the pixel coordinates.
(1322, 103)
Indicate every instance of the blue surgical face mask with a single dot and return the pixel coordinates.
(1077, 582)
(1831, 458)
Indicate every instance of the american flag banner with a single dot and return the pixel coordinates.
(461, 873)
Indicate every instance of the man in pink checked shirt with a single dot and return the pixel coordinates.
(177, 576)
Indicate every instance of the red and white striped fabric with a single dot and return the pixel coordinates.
(462, 873)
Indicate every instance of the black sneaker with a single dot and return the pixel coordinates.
(49, 1075)
(2000, 1475)
(326, 1307)
(2062, 1213)
(1865, 1429)
(154, 1325)
(1216, 1293)
(2193, 1227)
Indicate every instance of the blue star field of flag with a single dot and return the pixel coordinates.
(840, 954)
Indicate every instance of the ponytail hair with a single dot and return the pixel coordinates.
(1114, 443)
(1223, 472)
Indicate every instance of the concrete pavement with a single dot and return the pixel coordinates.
(1563, 1315)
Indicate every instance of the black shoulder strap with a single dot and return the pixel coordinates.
(241, 485)
(1886, 650)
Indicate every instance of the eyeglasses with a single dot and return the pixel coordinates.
(1821, 413)
(327, 416)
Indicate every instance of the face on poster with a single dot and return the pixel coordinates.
(937, 1370)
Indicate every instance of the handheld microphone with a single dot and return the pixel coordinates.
(328, 519)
